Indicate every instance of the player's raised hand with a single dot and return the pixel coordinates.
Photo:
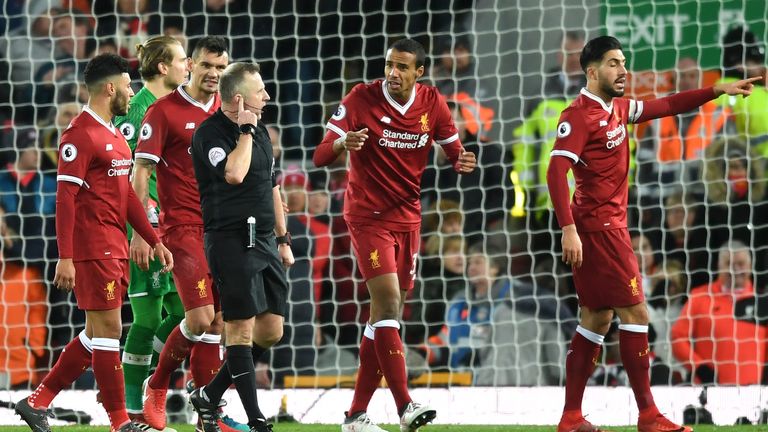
(141, 252)
(164, 255)
(572, 246)
(65, 275)
(354, 141)
(743, 87)
(245, 116)
(466, 163)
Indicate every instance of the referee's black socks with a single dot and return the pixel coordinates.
(238, 369)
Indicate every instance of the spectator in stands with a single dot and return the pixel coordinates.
(456, 78)
(50, 131)
(29, 199)
(534, 138)
(716, 336)
(685, 236)
(744, 57)
(481, 193)
(467, 327)
(23, 318)
(442, 278)
(122, 20)
(72, 34)
(646, 260)
(735, 194)
(665, 301)
(529, 333)
(28, 48)
(671, 152)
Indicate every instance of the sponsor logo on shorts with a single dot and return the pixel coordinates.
(201, 291)
(424, 122)
(110, 290)
(634, 285)
(374, 258)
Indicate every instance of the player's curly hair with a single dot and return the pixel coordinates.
(102, 67)
(152, 52)
(595, 49)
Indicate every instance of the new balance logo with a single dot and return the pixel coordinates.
(189, 125)
(109, 147)
(603, 123)
(385, 119)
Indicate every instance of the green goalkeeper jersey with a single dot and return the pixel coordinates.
(129, 125)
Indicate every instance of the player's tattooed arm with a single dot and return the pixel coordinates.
(142, 171)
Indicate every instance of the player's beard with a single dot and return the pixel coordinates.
(120, 105)
(607, 88)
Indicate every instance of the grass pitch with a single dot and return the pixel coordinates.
(291, 427)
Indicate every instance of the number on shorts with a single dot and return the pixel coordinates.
(413, 267)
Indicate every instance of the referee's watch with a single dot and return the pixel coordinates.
(247, 128)
(284, 239)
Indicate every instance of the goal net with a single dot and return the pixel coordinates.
(492, 304)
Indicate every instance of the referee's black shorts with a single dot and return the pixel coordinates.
(251, 281)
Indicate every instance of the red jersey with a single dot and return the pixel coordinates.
(385, 175)
(166, 139)
(594, 136)
(94, 155)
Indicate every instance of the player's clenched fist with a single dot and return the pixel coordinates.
(466, 163)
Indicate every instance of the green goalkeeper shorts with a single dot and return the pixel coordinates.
(151, 282)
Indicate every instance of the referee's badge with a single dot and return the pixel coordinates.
(216, 155)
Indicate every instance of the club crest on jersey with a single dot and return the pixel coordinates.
(424, 122)
(563, 129)
(341, 111)
(146, 131)
(68, 152)
(128, 130)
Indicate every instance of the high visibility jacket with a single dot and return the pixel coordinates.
(478, 119)
(750, 115)
(675, 145)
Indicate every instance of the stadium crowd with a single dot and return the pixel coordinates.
(491, 295)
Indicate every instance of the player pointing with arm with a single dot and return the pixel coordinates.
(592, 141)
(388, 127)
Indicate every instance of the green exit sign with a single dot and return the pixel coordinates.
(655, 34)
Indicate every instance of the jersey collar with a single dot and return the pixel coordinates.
(107, 125)
(402, 109)
(597, 99)
(193, 101)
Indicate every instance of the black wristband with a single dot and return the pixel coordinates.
(247, 128)
(284, 239)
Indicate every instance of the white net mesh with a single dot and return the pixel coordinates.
(492, 304)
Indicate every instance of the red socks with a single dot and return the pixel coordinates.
(176, 349)
(108, 371)
(579, 365)
(391, 356)
(74, 360)
(205, 359)
(633, 343)
(369, 375)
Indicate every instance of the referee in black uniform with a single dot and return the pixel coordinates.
(246, 242)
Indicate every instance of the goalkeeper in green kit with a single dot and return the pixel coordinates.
(163, 65)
